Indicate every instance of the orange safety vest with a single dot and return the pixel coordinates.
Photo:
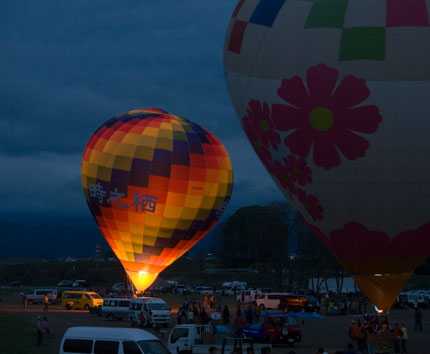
(355, 331)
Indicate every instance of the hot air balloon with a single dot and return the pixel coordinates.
(334, 98)
(155, 184)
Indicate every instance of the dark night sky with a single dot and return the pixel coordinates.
(68, 66)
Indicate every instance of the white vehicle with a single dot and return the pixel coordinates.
(95, 340)
(118, 286)
(203, 290)
(156, 307)
(38, 296)
(234, 287)
(80, 283)
(65, 283)
(248, 296)
(115, 308)
(197, 339)
(415, 299)
(270, 300)
(123, 287)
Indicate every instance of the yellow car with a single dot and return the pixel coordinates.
(75, 300)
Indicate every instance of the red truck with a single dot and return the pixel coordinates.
(280, 328)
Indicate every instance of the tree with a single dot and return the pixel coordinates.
(252, 235)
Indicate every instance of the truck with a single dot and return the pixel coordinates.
(199, 338)
(275, 328)
(38, 296)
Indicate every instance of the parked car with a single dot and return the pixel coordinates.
(16, 283)
(94, 340)
(270, 301)
(313, 305)
(248, 296)
(80, 284)
(275, 329)
(38, 296)
(293, 302)
(120, 287)
(203, 290)
(160, 313)
(115, 308)
(75, 300)
(65, 283)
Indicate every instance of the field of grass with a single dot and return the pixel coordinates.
(16, 336)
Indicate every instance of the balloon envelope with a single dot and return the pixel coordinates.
(333, 96)
(155, 184)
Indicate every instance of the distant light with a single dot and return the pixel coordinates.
(378, 275)
(378, 310)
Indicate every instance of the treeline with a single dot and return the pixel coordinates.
(274, 239)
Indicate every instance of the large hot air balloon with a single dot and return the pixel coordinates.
(155, 184)
(334, 96)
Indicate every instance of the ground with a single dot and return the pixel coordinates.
(329, 332)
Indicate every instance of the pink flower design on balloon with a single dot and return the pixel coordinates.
(258, 118)
(300, 171)
(284, 175)
(312, 204)
(261, 150)
(355, 241)
(324, 116)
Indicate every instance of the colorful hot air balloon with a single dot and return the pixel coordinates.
(334, 98)
(155, 184)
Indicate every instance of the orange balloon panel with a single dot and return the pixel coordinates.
(155, 183)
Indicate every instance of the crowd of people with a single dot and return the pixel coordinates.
(363, 334)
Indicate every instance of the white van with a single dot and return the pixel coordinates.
(233, 287)
(270, 300)
(248, 296)
(98, 340)
(115, 308)
(157, 307)
(38, 296)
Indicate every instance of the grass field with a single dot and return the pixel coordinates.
(16, 336)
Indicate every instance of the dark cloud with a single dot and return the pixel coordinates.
(71, 65)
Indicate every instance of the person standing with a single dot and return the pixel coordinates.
(370, 337)
(40, 331)
(249, 315)
(212, 301)
(186, 304)
(361, 337)
(354, 332)
(257, 314)
(46, 302)
(46, 331)
(204, 318)
(418, 320)
(397, 337)
(226, 315)
(404, 338)
(190, 316)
